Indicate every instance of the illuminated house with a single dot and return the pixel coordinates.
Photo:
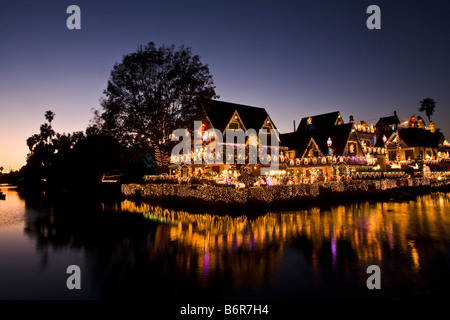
(320, 144)
(414, 144)
(224, 116)
(387, 124)
(385, 127)
(414, 141)
(324, 140)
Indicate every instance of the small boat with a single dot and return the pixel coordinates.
(2, 196)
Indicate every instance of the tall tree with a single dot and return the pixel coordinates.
(152, 92)
(49, 115)
(428, 106)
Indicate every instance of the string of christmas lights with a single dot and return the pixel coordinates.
(265, 194)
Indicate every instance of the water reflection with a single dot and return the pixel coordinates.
(140, 250)
(11, 208)
(346, 239)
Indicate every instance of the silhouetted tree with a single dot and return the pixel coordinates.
(75, 161)
(428, 105)
(49, 115)
(47, 150)
(43, 139)
(152, 92)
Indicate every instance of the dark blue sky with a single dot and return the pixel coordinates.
(295, 58)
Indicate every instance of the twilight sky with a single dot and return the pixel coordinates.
(295, 58)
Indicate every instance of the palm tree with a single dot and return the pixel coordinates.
(428, 106)
(49, 115)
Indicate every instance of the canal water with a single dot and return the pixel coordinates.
(129, 250)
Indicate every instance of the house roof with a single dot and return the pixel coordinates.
(320, 121)
(295, 140)
(387, 121)
(220, 114)
(289, 140)
(415, 137)
(299, 140)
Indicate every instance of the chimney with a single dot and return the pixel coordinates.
(395, 112)
(294, 125)
(352, 120)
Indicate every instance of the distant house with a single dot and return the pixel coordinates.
(314, 142)
(414, 143)
(319, 143)
(385, 128)
(324, 140)
(387, 124)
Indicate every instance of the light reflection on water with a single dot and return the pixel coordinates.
(12, 209)
(347, 238)
(143, 250)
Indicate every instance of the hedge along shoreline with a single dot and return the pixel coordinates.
(278, 194)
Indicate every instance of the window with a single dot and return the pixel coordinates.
(234, 125)
(392, 155)
(352, 148)
(409, 154)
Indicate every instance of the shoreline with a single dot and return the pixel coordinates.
(249, 200)
(324, 197)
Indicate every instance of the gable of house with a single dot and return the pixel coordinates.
(300, 141)
(220, 114)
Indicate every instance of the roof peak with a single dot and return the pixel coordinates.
(236, 104)
(322, 114)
